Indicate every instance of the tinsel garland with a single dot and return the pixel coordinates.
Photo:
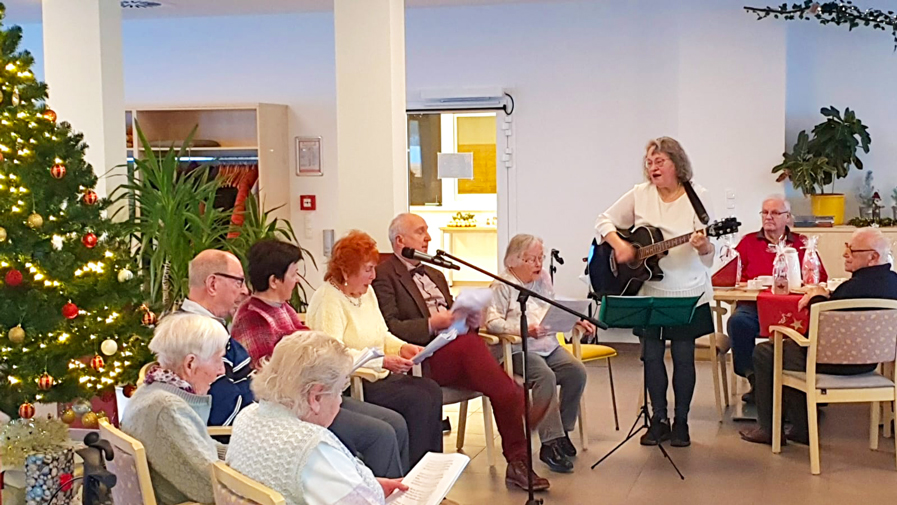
(22, 437)
(838, 13)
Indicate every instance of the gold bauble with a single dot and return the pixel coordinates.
(35, 220)
(68, 417)
(17, 335)
(2, 234)
(90, 420)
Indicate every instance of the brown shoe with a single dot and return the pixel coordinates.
(516, 475)
(758, 435)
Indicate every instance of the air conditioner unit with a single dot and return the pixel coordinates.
(464, 98)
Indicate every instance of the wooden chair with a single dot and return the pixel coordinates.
(450, 396)
(714, 348)
(855, 332)
(233, 488)
(130, 467)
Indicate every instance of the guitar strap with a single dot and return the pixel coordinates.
(696, 204)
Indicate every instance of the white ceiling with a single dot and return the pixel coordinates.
(28, 11)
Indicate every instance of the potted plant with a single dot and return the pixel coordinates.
(817, 162)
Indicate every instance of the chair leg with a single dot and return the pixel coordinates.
(813, 423)
(888, 418)
(490, 434)
(875, 419)
(509, 362)
(714, 356)
(462, 425)
(613, 394)
(724, 375)
(356, 390)
(733, 380)
(777, 413)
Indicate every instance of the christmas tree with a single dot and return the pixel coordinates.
(71, 319)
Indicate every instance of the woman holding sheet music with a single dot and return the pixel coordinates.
(346, 308)
(662, 202)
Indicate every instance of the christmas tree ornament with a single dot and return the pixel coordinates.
(68, 416)
(17, 335)
(124, 275)
(45, 382)
(50, 114)
(26, 410)
(2, 234)
(13, 278)
(90, 197)
(1, 154)
(149, 319)
(97, 363)
(128, 390)
(15, 97)
(109, 347)
(70, 310)
(35, 220)
(89, 240)
(81, 406)
(58, 171)
(90, 420)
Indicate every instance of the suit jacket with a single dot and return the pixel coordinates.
(402, 303)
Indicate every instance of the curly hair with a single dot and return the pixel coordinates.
(349, 254)
(672, 148)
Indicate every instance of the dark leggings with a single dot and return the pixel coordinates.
(683, 352)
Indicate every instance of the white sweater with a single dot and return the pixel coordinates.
(358, 328)
(686, 273)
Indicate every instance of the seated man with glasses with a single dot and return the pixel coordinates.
(758, 251)
(867, 258)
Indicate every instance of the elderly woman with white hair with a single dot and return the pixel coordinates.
(283, 441)
(548, 364)
(169, 411)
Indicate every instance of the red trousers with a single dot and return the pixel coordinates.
(466, 363)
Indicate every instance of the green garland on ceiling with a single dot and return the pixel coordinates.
(838, 13)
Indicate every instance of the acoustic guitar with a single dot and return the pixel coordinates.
(607, 277)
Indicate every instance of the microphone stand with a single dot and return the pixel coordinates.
(522, 298)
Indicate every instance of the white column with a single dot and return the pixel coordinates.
(371, 121)
(83, 68)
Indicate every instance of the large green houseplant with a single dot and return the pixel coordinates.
(816, 163)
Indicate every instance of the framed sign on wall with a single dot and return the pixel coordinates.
(308, 156)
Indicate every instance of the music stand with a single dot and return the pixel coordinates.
(645, 312)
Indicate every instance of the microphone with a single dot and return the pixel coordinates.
(557, 256)
(414, 254)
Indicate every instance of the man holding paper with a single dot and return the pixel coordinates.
(417, 305)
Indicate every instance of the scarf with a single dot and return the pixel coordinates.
(164, 376)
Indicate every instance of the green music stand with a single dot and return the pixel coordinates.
(645, 312)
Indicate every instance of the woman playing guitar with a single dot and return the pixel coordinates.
(662, 203)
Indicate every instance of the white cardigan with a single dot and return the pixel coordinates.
(686, 273)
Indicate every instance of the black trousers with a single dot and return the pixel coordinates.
(794, 402)
(377, 435)
(419, 401)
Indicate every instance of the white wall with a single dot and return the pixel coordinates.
(593, 81)
(828, 65)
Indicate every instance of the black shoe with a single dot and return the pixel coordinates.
(552, 456)
(679, 437)
(446, 425)
(566, 446)
(749, 396)
(659, 432)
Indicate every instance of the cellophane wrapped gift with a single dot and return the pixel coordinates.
(809, 267)
(729, 274)
(780, 271)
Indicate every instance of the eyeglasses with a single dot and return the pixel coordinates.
(659, 163)
(773, 213)
(854, 251)
(240, 280)
(534, 261)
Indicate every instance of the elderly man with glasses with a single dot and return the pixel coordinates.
(867, 258)
(758, 252)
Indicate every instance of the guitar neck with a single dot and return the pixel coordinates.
(645, 252)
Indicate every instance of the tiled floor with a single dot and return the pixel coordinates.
(719, 467)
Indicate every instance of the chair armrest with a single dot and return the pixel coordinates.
(220, 431)
(790, 333)
(489, 338)
(511, 339)
(367, 374)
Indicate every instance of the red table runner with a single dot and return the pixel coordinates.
(781, 310)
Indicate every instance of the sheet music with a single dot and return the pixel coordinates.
(557, 320)
(368, 354)
(430, 479)
(436, 344)
(468, 302)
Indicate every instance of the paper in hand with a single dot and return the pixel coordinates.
(560, 321)
(437, 343)
(469, 302)
(368, 354)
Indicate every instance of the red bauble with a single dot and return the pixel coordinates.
(89, 197)
(50, 115)
(45, 382)
(97, 363)
(149, 318)
(70, 310)
(89, 240)
(58, 171)
(13, 278)
(26, 410)
(128, 390)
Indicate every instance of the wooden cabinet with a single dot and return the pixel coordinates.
(831, 245)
